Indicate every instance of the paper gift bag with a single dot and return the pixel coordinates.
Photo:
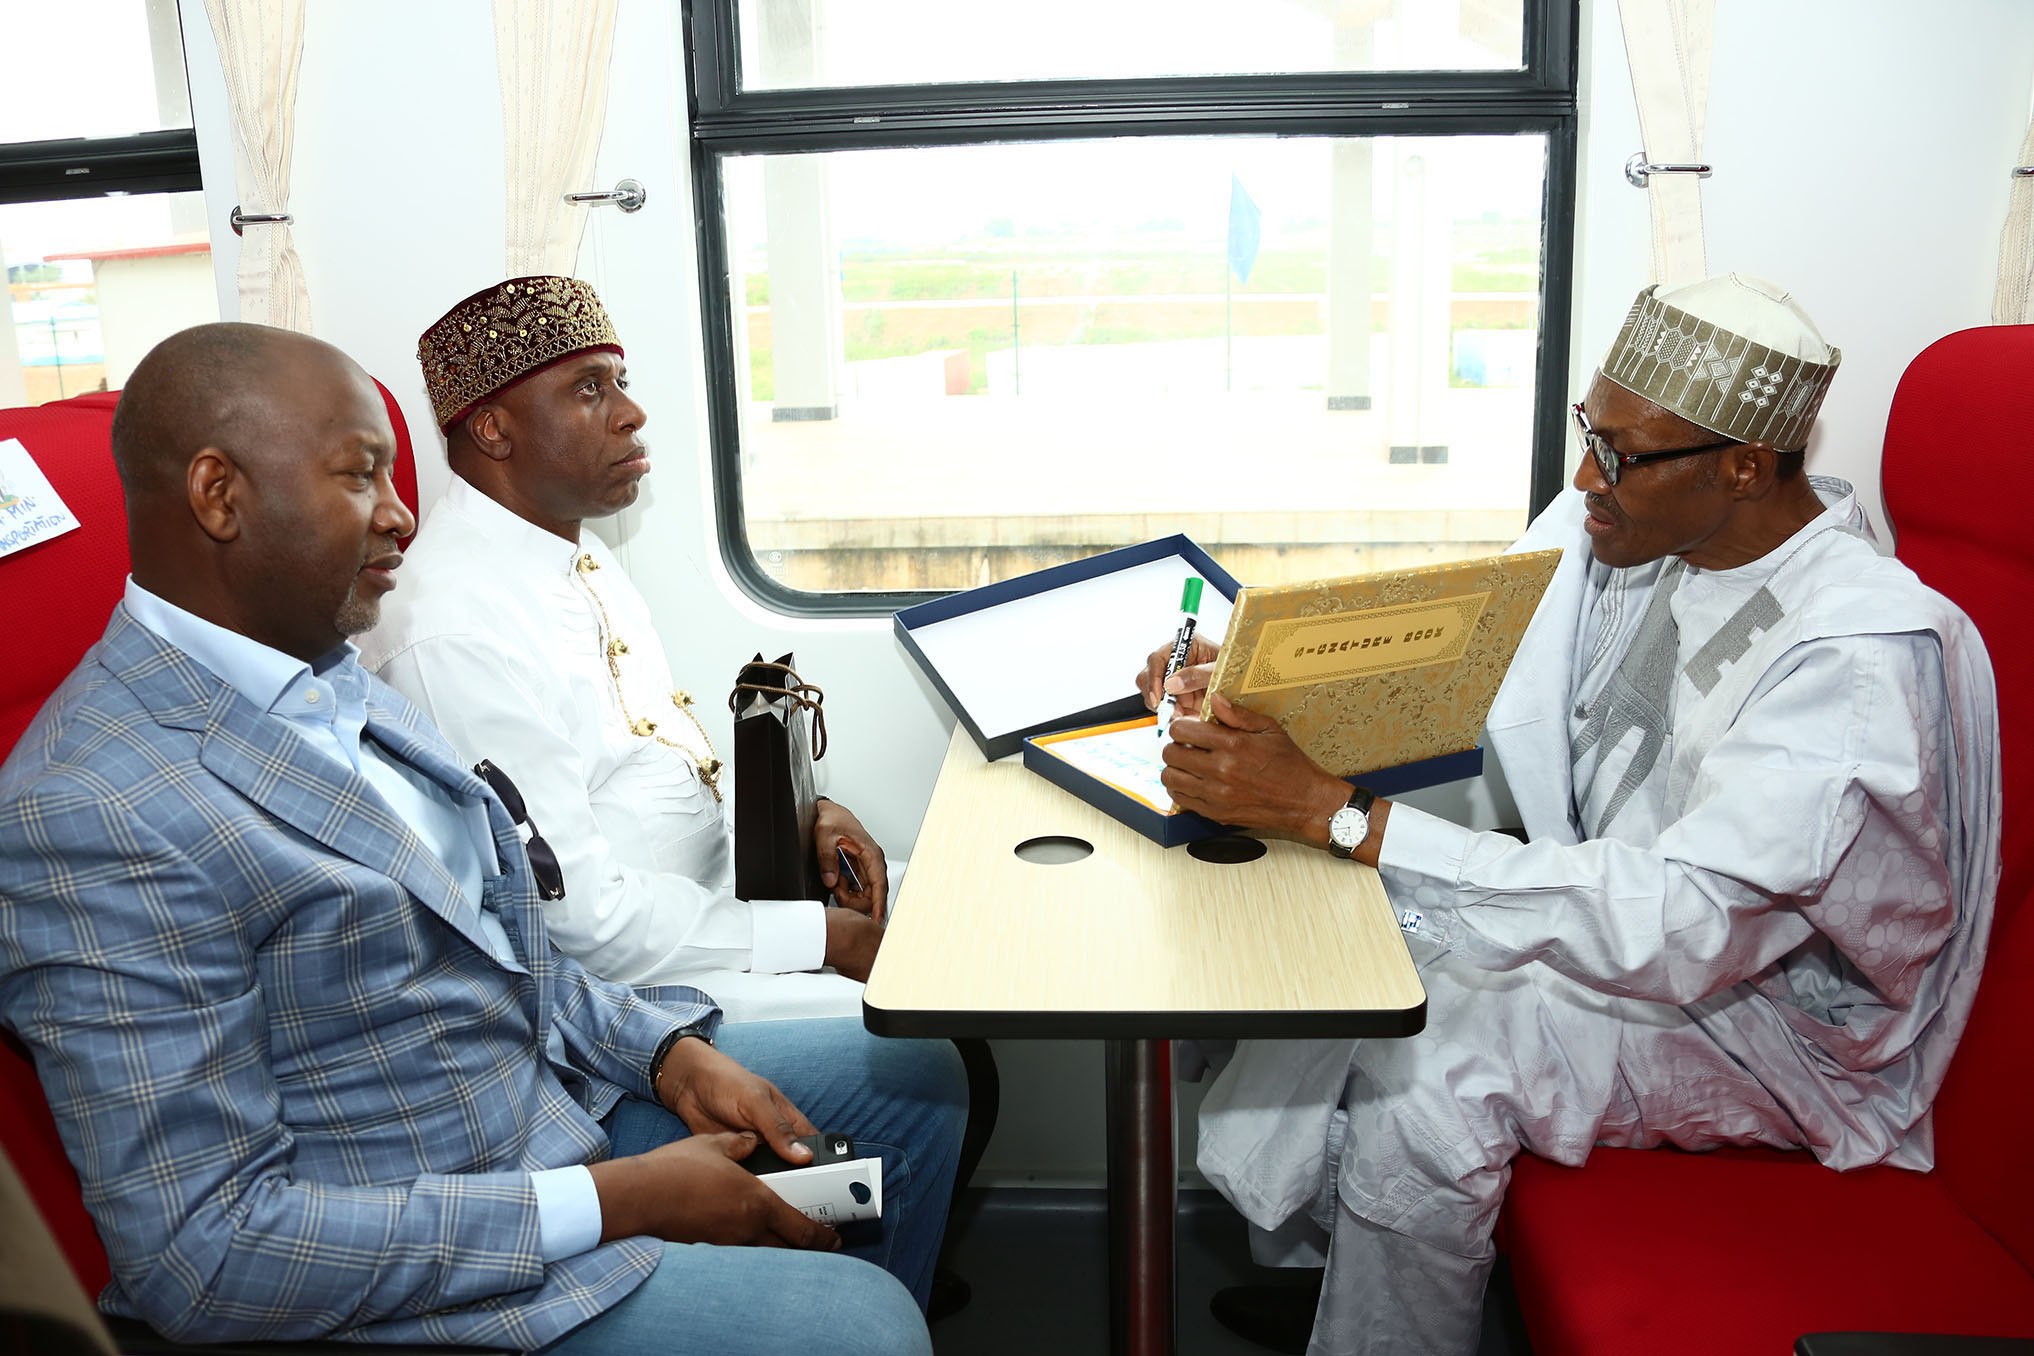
(779, 731)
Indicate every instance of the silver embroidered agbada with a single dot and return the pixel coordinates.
(1763, 810)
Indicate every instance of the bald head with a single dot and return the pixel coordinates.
(256, 463)
(210, 386)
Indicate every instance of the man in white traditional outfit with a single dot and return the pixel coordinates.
(521, 637)
(1756, 764)
(519, 634)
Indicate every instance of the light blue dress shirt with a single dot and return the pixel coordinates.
(327, 705)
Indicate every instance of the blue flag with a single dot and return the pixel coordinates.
(1246, 227)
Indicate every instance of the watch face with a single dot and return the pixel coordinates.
(1348, 827)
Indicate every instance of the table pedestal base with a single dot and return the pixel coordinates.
(1143, 1197)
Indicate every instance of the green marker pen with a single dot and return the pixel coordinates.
(1189, 615)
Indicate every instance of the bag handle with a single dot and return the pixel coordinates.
(804, 694)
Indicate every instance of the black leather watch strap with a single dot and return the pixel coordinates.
(664, 1048)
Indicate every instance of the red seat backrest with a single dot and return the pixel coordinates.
(57, 593)
(405, 455)
(56, 596)
(1958, 478)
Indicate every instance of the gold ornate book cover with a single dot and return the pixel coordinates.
(1375, 670)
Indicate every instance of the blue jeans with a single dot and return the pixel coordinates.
(903, 1100)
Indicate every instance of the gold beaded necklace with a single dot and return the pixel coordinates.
(681, 700)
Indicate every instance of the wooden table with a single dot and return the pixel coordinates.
(1134, 944)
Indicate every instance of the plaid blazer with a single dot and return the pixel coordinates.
(302, 1094)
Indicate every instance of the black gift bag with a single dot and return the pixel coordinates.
(779, 732)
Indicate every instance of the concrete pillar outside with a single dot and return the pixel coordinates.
(1421, 277)
(1422, 264)
(1349, 256)
(1350, 216)
(805, 333)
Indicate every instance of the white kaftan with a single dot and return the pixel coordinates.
(503, 640)
(1763, 816)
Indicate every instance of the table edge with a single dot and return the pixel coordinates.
(1109, 1024)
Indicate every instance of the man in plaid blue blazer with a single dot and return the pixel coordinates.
(282, 964)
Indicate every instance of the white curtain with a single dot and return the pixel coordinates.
(553, 59)
(1668, 43)
(261, 45)
(2013, 301)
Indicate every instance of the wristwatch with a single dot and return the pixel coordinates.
(698, 1033)
(1350, 825)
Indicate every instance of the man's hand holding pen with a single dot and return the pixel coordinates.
(850, 863)
(1243, 769)
(1188, 685)
(854, 869)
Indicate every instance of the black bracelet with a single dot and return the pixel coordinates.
(664, 1048)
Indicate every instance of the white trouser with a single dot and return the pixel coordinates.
(1395, 1161)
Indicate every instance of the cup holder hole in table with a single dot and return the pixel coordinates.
(1053, 850)
(1228, 850)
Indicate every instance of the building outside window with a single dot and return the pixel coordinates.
(984, 298)
(102, 232)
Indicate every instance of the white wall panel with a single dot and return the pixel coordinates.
(1861, 151)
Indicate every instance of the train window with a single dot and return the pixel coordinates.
(801, 46)
(102, 233)
(127, 76)
(959, 331)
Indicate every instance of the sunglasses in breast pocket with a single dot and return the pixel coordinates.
(550, 877)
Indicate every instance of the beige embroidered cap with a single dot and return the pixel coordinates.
(506, 334)
(1733, 353)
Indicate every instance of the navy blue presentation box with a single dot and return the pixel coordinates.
(1170, 829)
(1030, 632)
(1056, 652)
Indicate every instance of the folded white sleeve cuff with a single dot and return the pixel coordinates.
(568, 1212)
(1418, 843)
(786, 935)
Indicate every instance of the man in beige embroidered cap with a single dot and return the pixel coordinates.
(1753, 758)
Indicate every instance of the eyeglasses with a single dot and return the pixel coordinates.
(1611, 462)
(550, 877)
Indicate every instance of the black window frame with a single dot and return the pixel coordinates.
(98, 167)
(726, 119)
